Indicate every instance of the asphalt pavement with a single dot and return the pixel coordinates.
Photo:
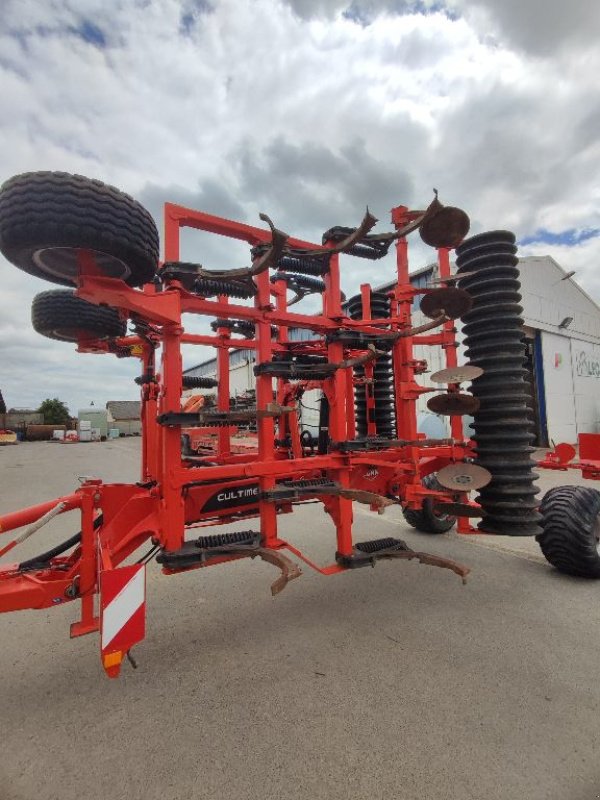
(393, 682)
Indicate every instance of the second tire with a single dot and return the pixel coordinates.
(59, 314)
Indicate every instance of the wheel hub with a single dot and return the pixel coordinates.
(62, 262)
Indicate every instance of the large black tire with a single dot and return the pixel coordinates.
(58, 314)
(571, 530)
(427, 520)
(45, 217)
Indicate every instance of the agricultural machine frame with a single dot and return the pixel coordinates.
(179, 492)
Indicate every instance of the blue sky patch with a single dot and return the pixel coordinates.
(570, 237)
(90, 33)
(189, 16)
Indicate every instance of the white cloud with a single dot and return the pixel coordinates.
(300, 111)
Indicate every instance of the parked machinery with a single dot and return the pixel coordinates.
(103, 246)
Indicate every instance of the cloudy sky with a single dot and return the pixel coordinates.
(305, 109)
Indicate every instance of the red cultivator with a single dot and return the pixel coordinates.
(86, 235)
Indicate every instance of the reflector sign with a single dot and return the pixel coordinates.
(123, 613)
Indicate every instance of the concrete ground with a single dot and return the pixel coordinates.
(396, 682)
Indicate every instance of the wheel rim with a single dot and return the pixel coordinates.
(62, 262)
(75, 334)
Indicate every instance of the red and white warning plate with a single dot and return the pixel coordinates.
(122, 613)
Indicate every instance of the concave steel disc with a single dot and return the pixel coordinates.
(452, 302)
(458, 509)
(463, 477)
(454, 404)
(446, 228)
(457, 374)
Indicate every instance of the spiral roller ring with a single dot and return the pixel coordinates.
(494, 338)
(385, 422)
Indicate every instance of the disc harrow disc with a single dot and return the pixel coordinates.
(452, 302)
(457, 374)
(446, 228)
(454, 404)
(463, 477)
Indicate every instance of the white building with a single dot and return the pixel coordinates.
(562, 326)
(563, 330)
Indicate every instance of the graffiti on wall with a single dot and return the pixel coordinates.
(587, 365)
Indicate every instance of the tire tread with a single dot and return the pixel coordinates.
(567, 540)
(58, 209)
(59, 309)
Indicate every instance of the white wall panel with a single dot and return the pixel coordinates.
(558, 379)
(241, 378)
(585, 358)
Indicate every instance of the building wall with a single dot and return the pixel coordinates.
(585, 360)
(127, 427)
(559, 389)
(572, 386)
(241, 375)
(571, 354)
(97, 418)
(549, 297)
(16, 420)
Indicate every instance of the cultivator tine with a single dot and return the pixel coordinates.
(267, 260)
(240, 279)
(365, 554)
(378, 501)
(368, 222)
(431, 561)
(442, 225)
(358, 361)
(427, 326)
(274, 253)
(289, 570)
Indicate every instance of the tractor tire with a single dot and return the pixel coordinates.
(60, 315)
(570, 535)
(427, 520)
(46, 217)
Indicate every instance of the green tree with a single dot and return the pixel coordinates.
(55, 412)
(2, 404)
